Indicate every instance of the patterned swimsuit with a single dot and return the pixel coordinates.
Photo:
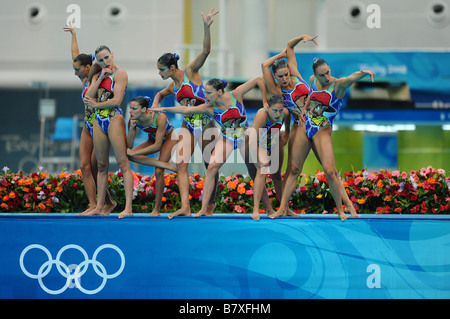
(268, 135)
(190, 94)
(292, 97)
(232, 122)
(106, 92)
(89, 112)
(324, 108)
(151, 130)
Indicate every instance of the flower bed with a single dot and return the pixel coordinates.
(426, 191)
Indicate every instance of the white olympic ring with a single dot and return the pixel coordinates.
(65, 270)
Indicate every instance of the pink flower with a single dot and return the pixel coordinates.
(396, 173)
(249, 192)
(228, 178)
(239, 209)
(404, 175)
(242, 185)
(372, 177)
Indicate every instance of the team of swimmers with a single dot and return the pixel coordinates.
(216, 120)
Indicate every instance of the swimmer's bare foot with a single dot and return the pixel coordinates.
(291, 213)
(172, 167)
(256, 215)
(109, 207)
(181, 212)
(202, 213)
(155, 213)
(125, 213)
(91, 207)
(95, 211)
(343, 216)
(352, 211)
(210, 209)
(270, 211)
(278, 213)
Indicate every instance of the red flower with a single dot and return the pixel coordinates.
(233, 194)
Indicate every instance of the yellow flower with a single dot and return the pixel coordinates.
(319, 196)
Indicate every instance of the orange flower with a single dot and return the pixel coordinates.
(63, 175)
(241, 190)
(361, 201)
(12, 194)
(251, 182)
(231, 185)
(167, 180)
(380, 184)
(4, 206)
(431, 180)
(199, 185)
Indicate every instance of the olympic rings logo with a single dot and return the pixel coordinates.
(78, 270)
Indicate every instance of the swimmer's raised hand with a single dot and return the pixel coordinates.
(209, 19)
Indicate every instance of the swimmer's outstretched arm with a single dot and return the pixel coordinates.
(200, 109)
(344, 83)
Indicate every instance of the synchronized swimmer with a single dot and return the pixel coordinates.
(215, 119)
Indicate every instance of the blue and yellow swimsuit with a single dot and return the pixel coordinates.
(324, 108)
(151, 130)
(269, 134)
(232, 122)
(292, 97)
(106, 92)
(190, 94)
